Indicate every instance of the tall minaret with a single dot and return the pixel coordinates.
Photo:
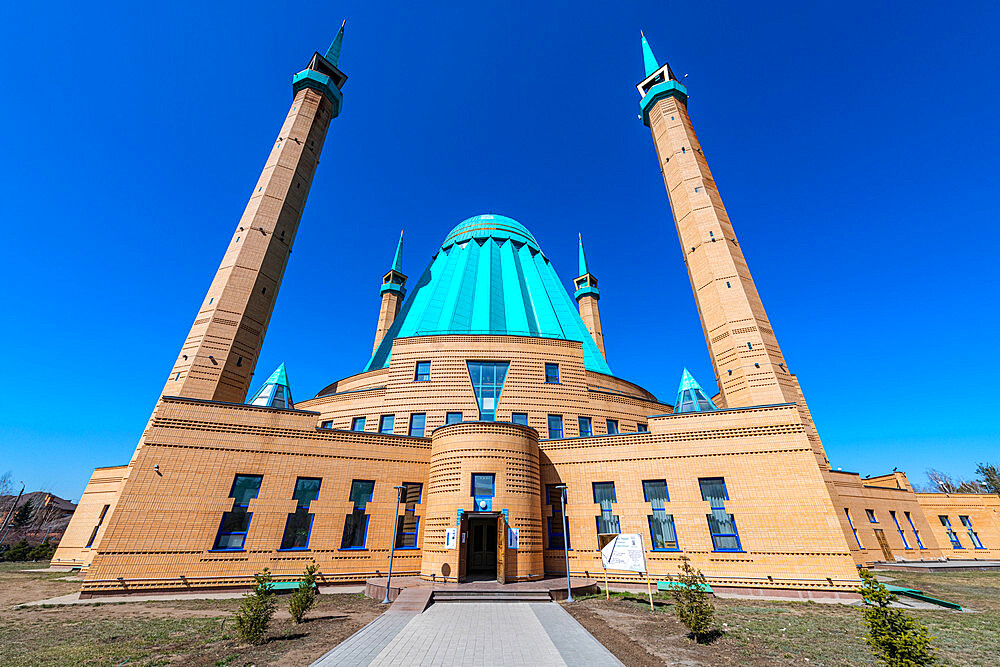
(219, 355)
(392, 291)
(587, 295)
(749, 366)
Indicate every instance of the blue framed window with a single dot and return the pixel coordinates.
(721, 524)
(871, 516)
(899, 529)
(586, 428)
(519, 418)
(386, 423)
(662, 532)
(612, 427)
(356, 523)
(946, 522)
(853, 530)
(417, 420)
(487, 379)
(916, 534)
(642, 427)
(604, 495)
(100, 520)
(552, 373)
(408, 525)
(453, 418)
(358, 424)
(423, 372)
(976, 544)
(483, 488)
(326, 424)
(553, 498)
(298, 526)
(555, 427)
(233, 530)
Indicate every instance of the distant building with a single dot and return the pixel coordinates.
(489, 388)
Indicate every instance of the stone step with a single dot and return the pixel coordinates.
(492, 596)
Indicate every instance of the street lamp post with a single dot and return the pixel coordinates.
(569, 587)
(392, 547)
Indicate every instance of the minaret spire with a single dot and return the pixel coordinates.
(648, 59)
(393, 292)
(587, 295)
(333, 53)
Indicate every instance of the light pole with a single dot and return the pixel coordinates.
(569, 587)
(392, 547)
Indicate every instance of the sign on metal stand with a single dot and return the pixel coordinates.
(625, 552)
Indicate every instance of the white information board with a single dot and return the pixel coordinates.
(624, 552)
(449, 537)
(513, 537)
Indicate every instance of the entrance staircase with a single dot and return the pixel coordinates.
(482, 595)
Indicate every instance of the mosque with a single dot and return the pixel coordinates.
(487, 435)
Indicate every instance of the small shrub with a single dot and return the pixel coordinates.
(304, 596)
(694, 609)
(43, 551)
(895, 639)
(256, 610)
(18, 552)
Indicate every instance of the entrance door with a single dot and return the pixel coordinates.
(501, 550)
(886, 551)
(481, 557)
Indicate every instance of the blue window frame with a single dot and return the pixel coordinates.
(553, 498)
(326, 424)
(298, 525)
(642, 427)
(519, 418)
(552, 373)
(604, 495)
(976, 544)
(612, 426)
(871, 516)
(358, 424)
(235, 524)
(853, 530)
(453, 418)
(487, 379)
(423, 372)
(417, 420)
(946, 522)
(555, 427)
(586, 428)
(483, 487)
(100, 520)
(408, 524)
(721, 524)
(356, 524)
(386, 424)
(899, 529)
(916, 534)
(662, 531)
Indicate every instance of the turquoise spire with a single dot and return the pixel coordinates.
(397, 261)
(333, 53)
(691, 397)
(275, 393)
(648, 59)
(583, 258)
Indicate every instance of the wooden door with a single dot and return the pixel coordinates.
(886, 551)
(501, 550)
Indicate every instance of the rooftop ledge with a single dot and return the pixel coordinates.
(227, 404)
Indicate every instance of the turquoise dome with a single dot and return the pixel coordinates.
(490, 277)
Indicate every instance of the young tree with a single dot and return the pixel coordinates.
(255, 612)
(694, 609)
(24, 513)
(304, 596)
(895, 639)
(989, 477)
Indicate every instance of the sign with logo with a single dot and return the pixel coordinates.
(513, 537)
(624, 552)
(450, 538)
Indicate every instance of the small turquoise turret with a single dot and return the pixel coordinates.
(660, 82)
(587, 295)
(276, 393)
(691, 397)
(393, 292)
(586, 282)
(322, 74)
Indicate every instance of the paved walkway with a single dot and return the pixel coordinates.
(474, 633)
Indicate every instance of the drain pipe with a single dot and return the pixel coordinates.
(392, 547)
(569, 587)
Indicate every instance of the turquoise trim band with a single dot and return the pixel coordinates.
(583, 291)
(308, 78)
(392, 287)
(658, 92)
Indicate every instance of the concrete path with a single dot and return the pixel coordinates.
(74, 598)
(474, 633)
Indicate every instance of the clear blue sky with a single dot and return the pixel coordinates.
(855, 148)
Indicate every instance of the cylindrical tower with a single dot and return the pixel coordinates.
(484, 477)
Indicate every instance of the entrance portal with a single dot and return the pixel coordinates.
(481, 557)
